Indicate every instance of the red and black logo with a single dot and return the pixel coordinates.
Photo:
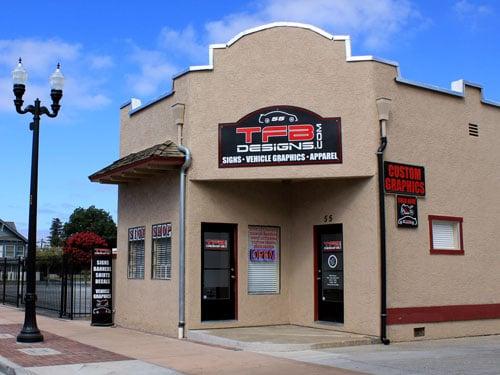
(280, 136)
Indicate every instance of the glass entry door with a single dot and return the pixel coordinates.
(218, 272)
(329, 271)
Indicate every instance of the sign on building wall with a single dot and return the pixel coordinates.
(280, 135)
(404, 179)
(407, 211)
(102, 307)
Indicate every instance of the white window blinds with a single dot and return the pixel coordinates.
(445, 235)
(162, 251)
(263, 260)
(136, 252)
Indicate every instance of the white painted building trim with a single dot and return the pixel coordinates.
(456, 90)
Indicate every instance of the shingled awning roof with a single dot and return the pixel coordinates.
(133, 167)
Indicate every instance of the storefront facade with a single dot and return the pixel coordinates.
(282, 198)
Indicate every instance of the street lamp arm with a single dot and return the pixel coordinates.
(20, 110)
(45, 111)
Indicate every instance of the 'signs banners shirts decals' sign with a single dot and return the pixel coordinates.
(280, 135)
(102, 306)
(404, 179)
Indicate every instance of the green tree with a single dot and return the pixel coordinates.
(92, 219)
(56, 233)
(49, 260)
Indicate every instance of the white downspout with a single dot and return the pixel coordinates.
(182, 237)
(178, 112)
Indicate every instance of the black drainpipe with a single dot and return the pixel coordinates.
(383, 266)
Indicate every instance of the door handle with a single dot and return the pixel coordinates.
(318, 278)
(233, 277)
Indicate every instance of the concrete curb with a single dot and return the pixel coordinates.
(203, 337)
(10, 368)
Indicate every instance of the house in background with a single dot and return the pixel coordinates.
(12, 243)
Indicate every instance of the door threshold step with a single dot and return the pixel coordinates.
(281, 338)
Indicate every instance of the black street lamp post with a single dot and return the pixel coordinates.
(30, 331)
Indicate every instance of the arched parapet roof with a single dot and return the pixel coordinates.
(327, 35)
(455, 89)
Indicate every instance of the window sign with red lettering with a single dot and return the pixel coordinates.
(280, 135)
(264, 259)
(215, 244)
(136, 234)
(161, 231)
(404, 179)
(263, 243)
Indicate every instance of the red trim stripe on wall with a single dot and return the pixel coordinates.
(435, 314)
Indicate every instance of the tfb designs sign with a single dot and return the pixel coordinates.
(280, 135)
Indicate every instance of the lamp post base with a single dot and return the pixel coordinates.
(30, 335)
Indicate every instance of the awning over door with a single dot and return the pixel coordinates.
(146, 163)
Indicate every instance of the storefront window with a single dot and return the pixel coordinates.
(263, 259)
(161, 251)
(136, 252)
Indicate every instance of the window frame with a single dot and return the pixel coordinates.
(10, 247)
(133, 277)
(455, 219)
(168, 238)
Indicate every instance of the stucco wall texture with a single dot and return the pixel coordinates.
(299, 67)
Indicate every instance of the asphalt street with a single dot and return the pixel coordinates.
(471, 356)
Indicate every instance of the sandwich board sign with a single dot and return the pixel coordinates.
(102, 306)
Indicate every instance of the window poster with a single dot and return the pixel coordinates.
(263, 259)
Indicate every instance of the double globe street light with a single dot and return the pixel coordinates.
(30, 331)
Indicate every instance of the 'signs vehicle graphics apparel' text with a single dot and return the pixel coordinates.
(280, 136)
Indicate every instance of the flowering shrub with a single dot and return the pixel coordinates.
(80, 245)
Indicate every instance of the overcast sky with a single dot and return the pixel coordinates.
(113, 50)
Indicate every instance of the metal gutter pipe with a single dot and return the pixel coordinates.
(383, 111)
(182, 238)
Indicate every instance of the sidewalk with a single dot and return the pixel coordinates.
(76, 347)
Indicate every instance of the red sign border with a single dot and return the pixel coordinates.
(405, 192)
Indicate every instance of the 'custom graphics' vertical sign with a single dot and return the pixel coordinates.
(102, 307)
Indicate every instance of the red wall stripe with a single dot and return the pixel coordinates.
(433, 314)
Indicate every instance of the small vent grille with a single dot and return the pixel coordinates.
(474, 130)
(419, 332)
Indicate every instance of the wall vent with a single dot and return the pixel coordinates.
(474, 130)
(419, 332)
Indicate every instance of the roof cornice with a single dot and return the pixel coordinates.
(348, 54)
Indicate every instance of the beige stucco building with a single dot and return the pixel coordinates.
(286, 132)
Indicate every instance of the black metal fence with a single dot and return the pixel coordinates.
(64, 288)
